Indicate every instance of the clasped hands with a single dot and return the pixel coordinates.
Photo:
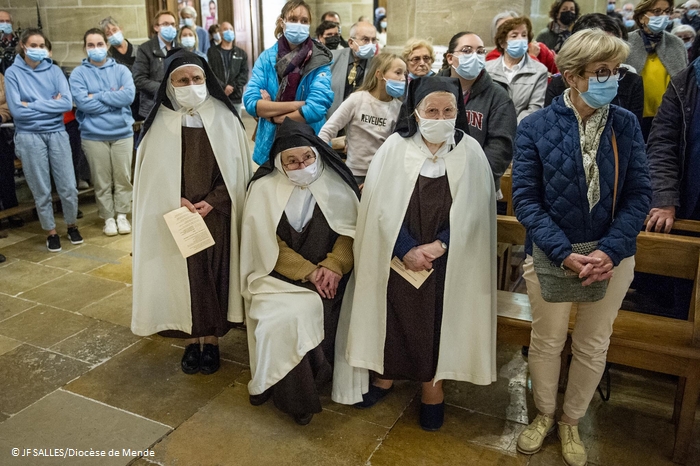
(421, 257)
(595, 267)
(326, 281)
(202, 207)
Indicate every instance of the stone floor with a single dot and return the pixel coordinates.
(74, 377)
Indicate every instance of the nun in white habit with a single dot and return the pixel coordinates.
(296, 257)
(192, 153)
(429, 201)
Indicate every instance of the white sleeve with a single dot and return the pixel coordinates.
(340, 118)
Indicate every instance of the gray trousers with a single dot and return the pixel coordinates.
(110, 169)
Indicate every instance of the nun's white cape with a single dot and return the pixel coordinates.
(468, 335)
(284, 321)
(161, 285)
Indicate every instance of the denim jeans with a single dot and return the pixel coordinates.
(44, 155)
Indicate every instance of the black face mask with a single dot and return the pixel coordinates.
(567, 18)
(332, 42)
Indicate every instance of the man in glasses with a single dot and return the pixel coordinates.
(349, 64)
(148, 67)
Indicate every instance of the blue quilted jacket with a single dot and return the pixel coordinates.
(549, 184)
(314, 89)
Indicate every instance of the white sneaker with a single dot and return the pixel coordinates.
(110, 228)
(531, 439)
(572, 449)
(123, 224)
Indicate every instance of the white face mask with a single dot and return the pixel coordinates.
(191, 96)
(303, 176)
(437, 131)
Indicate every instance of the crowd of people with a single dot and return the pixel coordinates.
(351, 252)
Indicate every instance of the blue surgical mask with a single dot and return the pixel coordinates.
(229, 35)
(395, 88)
(296, 33)
(383, 24)
(687, 45)
(189, 22)
(413, 76)
(657, 23)
(690, 13)
(611, 7)
(168, 33)
(6, 28)
(366, 51)
(116, 39)
(37, 54)
(97, 54)
(188, 42)
(600, 94)
(629, 23)
(470, 65)
(216, 37)
(517, 47)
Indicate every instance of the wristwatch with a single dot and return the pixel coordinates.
(444, 245)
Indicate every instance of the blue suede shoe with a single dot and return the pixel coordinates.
(432, 416)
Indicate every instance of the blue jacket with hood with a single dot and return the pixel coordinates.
(107, 115)
(37, 87)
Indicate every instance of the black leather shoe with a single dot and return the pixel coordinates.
(257, 400)
(371, 398)
(432, 416)
(190, 360)
(303, 419)
(2, 258)
(210, 359)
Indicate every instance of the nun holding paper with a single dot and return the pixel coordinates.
(429, 203)
(193, 153)
(296, 256)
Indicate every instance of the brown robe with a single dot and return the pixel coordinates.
(208, 270)
(414, 316)
(297, 392)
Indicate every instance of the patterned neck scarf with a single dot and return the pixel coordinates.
(589, 138)
(651, 40)
(562, 33)
(289, 67)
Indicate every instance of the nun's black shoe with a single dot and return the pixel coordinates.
(190, 360)
(210, 362)
(371, 398)
(257, 400)
(303, 419)
(432, 416)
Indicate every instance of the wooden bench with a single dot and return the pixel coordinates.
(654, 343)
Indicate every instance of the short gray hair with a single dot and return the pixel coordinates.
(108, 21)
(188, 10)
(590, 46)
(500, 16)
(353, 28)
(683, 28)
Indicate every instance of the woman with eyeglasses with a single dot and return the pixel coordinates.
(291, 79)
(419, 57)
(490, 113)
(422, 303)
(655, 54)
(296, 257)
(525, 78)
(581, 189)
(687, 34)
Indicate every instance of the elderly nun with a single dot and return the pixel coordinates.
(192, 153)
(296, 256)
(431, 186)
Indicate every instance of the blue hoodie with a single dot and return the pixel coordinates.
(107, 115)
(37, 87)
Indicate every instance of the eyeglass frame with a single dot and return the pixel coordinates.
(190, 82)
(478, 51)
(444, 115)
(310, 159)
(365, 40)
(659, 12)
(417, 60)
(620, 72)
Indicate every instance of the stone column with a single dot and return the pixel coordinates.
(65, 22)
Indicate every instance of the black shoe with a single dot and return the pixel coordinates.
(371, 398)
(303, 419)
(432, 416)
(210, 359)
(74, 235)
(190, 360)
(80, 214)
(53, 243)
(15, 221)
(2, 258)
(257, 400)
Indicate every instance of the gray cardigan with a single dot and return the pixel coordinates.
(670, 50)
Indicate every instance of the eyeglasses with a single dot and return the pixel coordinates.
(364, 40)
(603, 74)
(470, 50)
(185, 81)
(308, 160)
(686, 38)
(435, 113)
(417, 60)
(659, 11)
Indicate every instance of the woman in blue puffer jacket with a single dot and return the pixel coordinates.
(292, 79)
(579, 176)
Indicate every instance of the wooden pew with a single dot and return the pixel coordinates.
(654, 343)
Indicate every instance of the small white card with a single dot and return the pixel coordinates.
(414, 278)
(189, 231)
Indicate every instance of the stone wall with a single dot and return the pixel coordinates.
(349, 11)
(65, 22)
